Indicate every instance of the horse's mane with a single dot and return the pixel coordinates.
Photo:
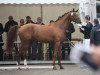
(61, 16)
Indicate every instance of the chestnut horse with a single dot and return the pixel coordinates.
(54, 32)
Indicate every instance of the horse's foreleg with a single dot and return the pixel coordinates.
(56, 45)
(18, 59)
(54, 58)
(25, 58)
(59, 57)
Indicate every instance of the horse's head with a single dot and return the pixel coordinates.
(74, 16)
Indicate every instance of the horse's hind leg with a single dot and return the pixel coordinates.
(18, 60)
(59, 57)
(17, 55)
(24, 52)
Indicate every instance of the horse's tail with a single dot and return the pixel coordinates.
(11, 37)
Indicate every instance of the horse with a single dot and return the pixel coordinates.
(53, 32)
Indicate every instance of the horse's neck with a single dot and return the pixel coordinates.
(63, 22)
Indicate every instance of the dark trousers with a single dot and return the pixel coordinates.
(37, 50)
(40, 53)
(34, 50)
(1, 54)
(51, 48)
(65, 47)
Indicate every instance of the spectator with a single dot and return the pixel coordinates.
(22, 22)
(8, 25)
(28, 20)
(69, 32)
(51, 46)
(95, 34)
(51, 21)
(39, 21)
(1, 42)
(95, 41)
(37, 46)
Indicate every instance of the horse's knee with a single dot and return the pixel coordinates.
(55, 55)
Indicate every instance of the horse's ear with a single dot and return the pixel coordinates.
(77, 10)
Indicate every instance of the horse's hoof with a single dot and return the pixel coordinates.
(27, 67)
(19, 68)
(61, 67)
(54, 68)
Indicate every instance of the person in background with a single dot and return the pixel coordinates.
(37, 51)
(95, 41)
(22, 22)
(39, 21)
(28, 20)
(1, 42)
(8, 25)
(51, 46)
(69, 32)
(95, 34)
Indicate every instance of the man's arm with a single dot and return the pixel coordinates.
(82, 29)
(92, 36)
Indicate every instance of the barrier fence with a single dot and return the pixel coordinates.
(45, 50)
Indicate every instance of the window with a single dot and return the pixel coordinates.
(98, 10)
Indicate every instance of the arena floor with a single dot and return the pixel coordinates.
(46, 70)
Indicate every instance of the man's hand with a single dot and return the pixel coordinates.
(96, 54)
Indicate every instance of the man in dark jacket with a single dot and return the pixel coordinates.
(28, 20)
(95, 41)
(69, 31)
(1, 42)
(9, 24)
(86, 30)
(67, 45)
(95, 34)
(37, 50)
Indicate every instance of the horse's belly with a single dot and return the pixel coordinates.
(43, 38)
